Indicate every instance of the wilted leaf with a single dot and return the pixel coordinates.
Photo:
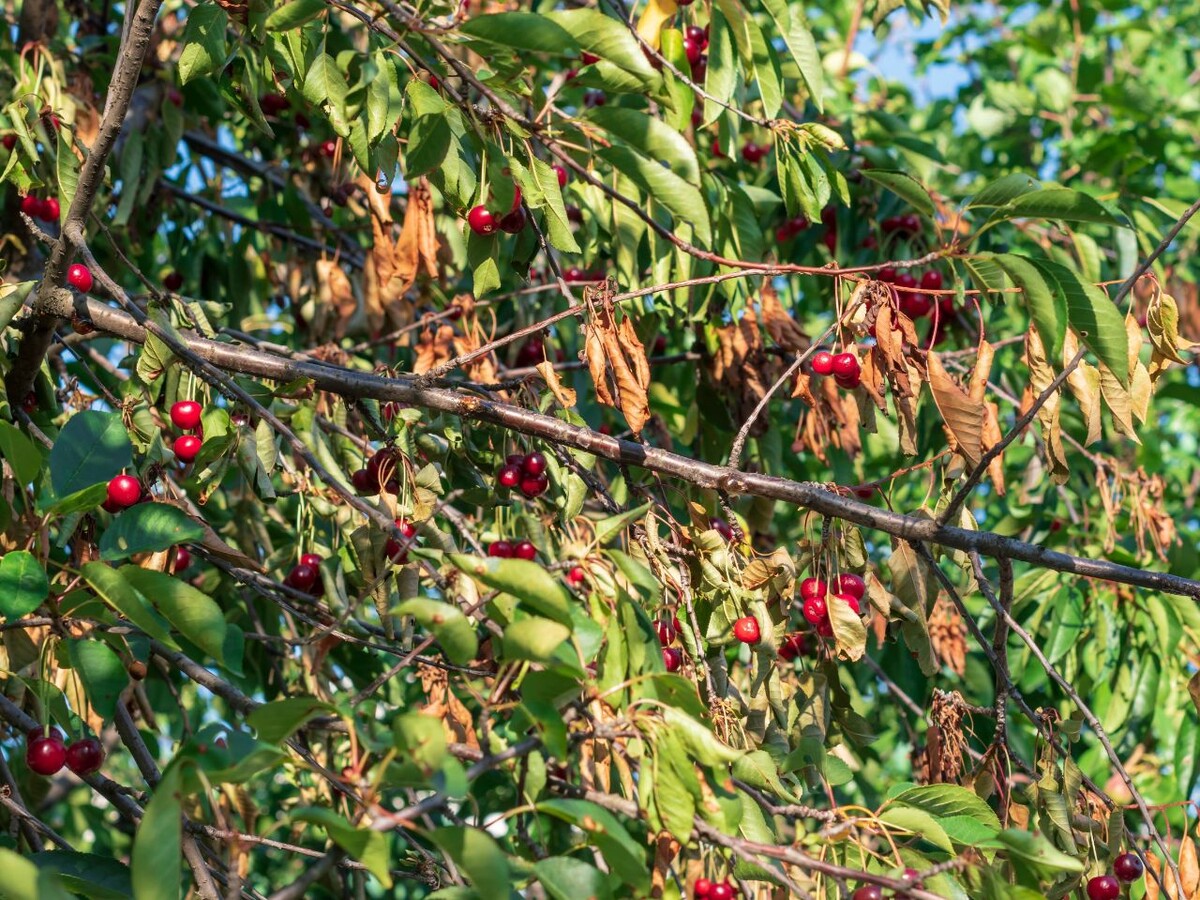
(336, 295)
(562, 393)
(1084, 383)
(963, 415)
(780, 326)
(1041, 376)
(617, 362)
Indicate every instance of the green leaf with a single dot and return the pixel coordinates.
(651, 137)
(12, 298)
(1094, 316)
(759, 770)
(148, 527)
(790, 25)
(527, 581)
(479, 857)
(21, 452)
(603, 830)
(204, 47)
(325, 86)
(612, 526)
(103, 674)
(21, 879)
(156, 846)
(1047, 306)
(681, 199)
(1057, 203)
(534, 639)
(1003, 191)
(196, 616)
(23, 584)
(454, 632)
(87, 874)
(605, 37)
(294, 14)
(92, 447)
(567, 878)
(903, 186)
(521, 31)
(721, 77)
(369, 847)
(276, 721)
(1036, 850)
(701, 744)
(66, 168)
(111, 586)
(948, 800)
(920, 823)
(429, 141)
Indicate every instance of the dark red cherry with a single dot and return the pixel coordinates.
(85, 756)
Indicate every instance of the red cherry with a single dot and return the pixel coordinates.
(849, 583)
(672, 659)
(186, 414)
(588, 58)
(50, 210)
(30, 403)
(666, 632)
(700, 70)
(750, 152)
(722, 891)
(173, 281)
(364, 482)
(845, 365)
(702, 887)
(10, 141)
(721, 527)
(79, 278)
(594, 98)
(825, 628)
(534, 485)
(911, 223)
(868, 892)
(717, 150)
(525, 550)
(31, 206)
(693, 49)
(515, 459)
(187, 447)
(888, 274)
(45, 755)
(695, 33)
(39, 732)
(500, 550)
(396, 550)
(534, 464)
(183, 558)
(890, 224)
(1103, 887)
(514, 222)
(1128, 867)
(574, 213)
(813, 587)
(905, 280)
(327, 149)
(916, 306)
(561, 174)
(869, 242)
(482, 221)
(85, 756)
(746, 630)
(311, 559)
(793, 645)
(822, 362)
(576, 575)
(124, 491)
(851, 601)
(848, 382)
(508, 476)
(931, 280)
(684, 2)
(303, 577)
(815, 611)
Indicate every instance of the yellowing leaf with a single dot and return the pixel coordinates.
(1084, 383)
(1162, 321)
(656, 14)
(1189, 867)
(1041, 375)
(848, 630)
(963, 415)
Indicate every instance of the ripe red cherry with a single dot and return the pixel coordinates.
(822, 362)
(124, 491)
(79, 278)
(85, 756)
(45, 755)
(482, 221)
(303, 577)
(750, 152)
(905, 280)
(508, 476)
(721, 527)
(183, 558)
(397, 551)
(588, 58)
(1103, 887)
(513, 222)
(1128, 867)
(173, 281)
(50, 210)
(10, 141)
(695, 33)
(722, 891)
(845, 365)
(911, 223)
(693, 49)
(576, 575)
(364, 482)
(534, 464)
(849, 583)
(31, 206)
(703, 887)
(851, 601)
(888, 274)
(868, 892)
(39, 732)
(534, 485)
(825, 628)
(594, 98)
(186, 414)
(561, 174)
(815, 611)
(813, 587)
(915, 306)
(666, 632)
(746, 630)
(312, 559)
(793, 645)
(525, 550)
(187, 447)
(672, 659)
(327, 149)
(931, 280)
(500, 549)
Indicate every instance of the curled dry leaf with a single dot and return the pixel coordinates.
(780, 326)
(1162, 321)
(963, 415)
(1084, 383)
(617, 362)
(1041, 375)
(1189, 868)
(739, 367)
(563, 394)
(336, 295)
(434, 347)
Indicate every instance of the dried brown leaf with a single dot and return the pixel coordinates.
(1189, 867)
(1041, 376)
(434, 347)
(1162, 322)
(416, 250)
(991, 437)
(563, 394)
(615, 353)
(963, 416)
(336, 294)
(780, 326)
(977, 389)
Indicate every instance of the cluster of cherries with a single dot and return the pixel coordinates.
(305, 576)
(908, 224)
(844, 367)
(914, 304)
(185, 415)
(525, 472)
(668, 631)
(704, 889)
(484, 222)
(1127, 867)
(45, 210)
(396, 550)
(848, 587)
(46, 753)
(379, 474)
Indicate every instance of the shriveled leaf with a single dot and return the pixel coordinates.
(964, 416)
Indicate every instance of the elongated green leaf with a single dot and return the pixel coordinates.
(535, 639)
(651, 137)
(294, 14)
(156, 846)
(148, 527)
(1058, 203)
(567, 878)
(12, 298)
(92, 447)
(195, 615)
(87, 874)
(23, 584)
(720, 78)
(1094, 317)
(681, 199)
(1003, 190)
(608, 528)
(903, 186)
(527, 581)
(429, 141)
(790, 25)
(479, 857)
(111, 586)
(278, 720)
(325, 86)
(1047, 305)
(454, 632)
(369, 847)
(102, 672)
(204, 47)
(918, 822)
(521, 31)
(603, 830)
(605, 37)
(948, 800)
